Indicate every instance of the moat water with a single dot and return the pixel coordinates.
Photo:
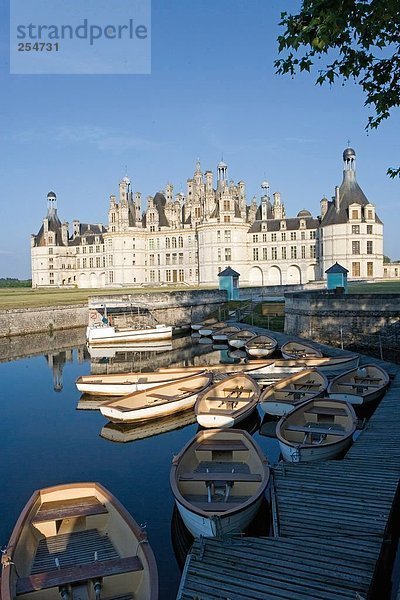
(46, 440)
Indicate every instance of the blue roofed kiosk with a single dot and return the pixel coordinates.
(336, 277)
(229, 281)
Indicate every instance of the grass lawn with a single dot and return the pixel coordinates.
(29, 298)
(380, 287)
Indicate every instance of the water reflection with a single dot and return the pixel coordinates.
(125, 432)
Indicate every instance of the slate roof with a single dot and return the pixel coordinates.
(336, 268)
(349, 193)
(160, 201)
(54, 227)
(88, 232)
(292, 224)
(228, 272)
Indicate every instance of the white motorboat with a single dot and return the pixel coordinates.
(107, 334)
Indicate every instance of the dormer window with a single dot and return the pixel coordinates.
(302, 224)
(283, 225)
(354, 214)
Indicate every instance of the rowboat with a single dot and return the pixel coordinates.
(222, 335)
(120, 384)
(292, 349)
(227, 402)
(318, 429)
(209, 329)
(77, 541)
(253, 368)
(218, 481)
(204, 324)
(359, 386)
(325, 364)
(127, 432)
(261, 346)
(158, 401)
(239, 339)
(108, 334)
(281, 397)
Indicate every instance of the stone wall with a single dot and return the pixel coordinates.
(20, 321)
(357, 320)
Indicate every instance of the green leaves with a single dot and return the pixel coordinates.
(361, 39)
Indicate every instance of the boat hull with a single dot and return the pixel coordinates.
(217, 525)
(260, 352)
(292, 453)
(148, 412)
(222, 421)
(109, 335)
(276, 408)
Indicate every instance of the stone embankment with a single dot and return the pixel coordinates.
(355, 320)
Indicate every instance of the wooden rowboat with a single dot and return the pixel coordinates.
(227, 402)
(261, 346)
(120, 384)
(221, 335)
(281, 397)
(238, 340)
(294, 349)
(218, 481)
(77, 541)
(318, 429)
(251, 368)
(158, 401)
(325, 364)
(359, 386)
(127, 432)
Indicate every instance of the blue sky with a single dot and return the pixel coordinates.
(212, 90)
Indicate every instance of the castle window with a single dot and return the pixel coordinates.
(104, 262)
(227, 235)
(312, 235)
(174, 242)
(354, 214)
(97, 262)
(174, 258)
(303, 252)
(77, 249)
(167, 259)
(369, 229)
(151, 244)
(370, 269)
(227, 205)
(227, 219)
(355, 269)
(97, 249)
(51, 274)
(50, 250)
(312, 251)
(112, 217)
(355, 247)
(197, 213)
(273, 237)
(293, 235)
(265, 254)
(91, 262)
(151, 260)
(180, 258)
(228, 254)
(255, 253)
(167, 243)
(274, 253)
(152, 276)
(168, 275)
(255, 238)
(293, 252)
(84, 263)
(51, 281)
(180, 242)
(110, 260)
(303, 235)
(283, 252)
(283, 237)
(152, 228)
(218, 236)
(111, 277)
(370, 214)
(355, 229)
(90, 249)
(109, 243)
(181, 275)
(264, 237)
(78, 263)
(283, 225)
(369, 247)
(219, 254)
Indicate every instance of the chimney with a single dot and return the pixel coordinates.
(337, 199)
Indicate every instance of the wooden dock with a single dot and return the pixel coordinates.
(333, 526)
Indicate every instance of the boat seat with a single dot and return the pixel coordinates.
(195, 476)
(326, 410)
(216, 506)
(318, 430)
(63, 509)
(76, 574)
(359, 385)
(221, 445)
(222, 410)
(160, 397)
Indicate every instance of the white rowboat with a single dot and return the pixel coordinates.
(218, 481)
(359, 386)
(292, 349)
(281, 397)
(319, 429)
